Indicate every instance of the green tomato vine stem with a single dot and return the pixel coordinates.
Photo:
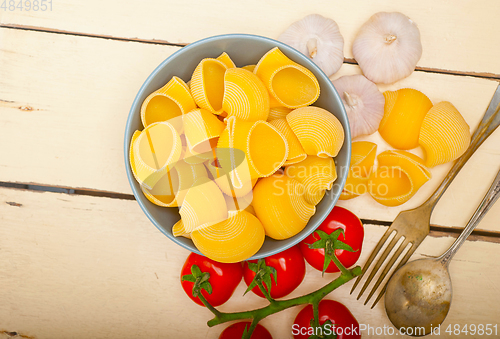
(329, 242)
(280, 305)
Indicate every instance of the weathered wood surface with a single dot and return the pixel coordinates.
(90, 267)
(456, 35)
(63, 111)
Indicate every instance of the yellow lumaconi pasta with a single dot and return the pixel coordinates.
(179, 230)
(399, 176)
(281, 207)
(203, 205)
(169, 102)
(201, 128)
(296, 152)
(190, 157)
(319, 132)
(224, 175)
(362, 160)
(224, 57)
(404, 112)
(316, 174)
(154, 149)
(444, 135)
(245, 96)
(249, 67)
(240, 203)
(291, 84)
(171, 189)
(207, 84)
(279, 112)
(233, 240)
(265, 148)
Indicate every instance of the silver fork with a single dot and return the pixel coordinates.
(414, 225)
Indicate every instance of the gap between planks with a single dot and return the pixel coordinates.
(483, 75)
(436, 230)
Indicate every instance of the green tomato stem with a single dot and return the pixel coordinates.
(339, 264)
(254, 323)
(280, 305)
(315, 306)
(265, 292)
(210, 307)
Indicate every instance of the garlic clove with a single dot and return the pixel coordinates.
(363, 102)
(387, 47)
(319, 38)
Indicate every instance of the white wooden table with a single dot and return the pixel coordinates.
(89, 264)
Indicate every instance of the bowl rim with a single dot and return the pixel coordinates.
(186, 49)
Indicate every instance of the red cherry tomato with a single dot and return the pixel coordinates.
(235, 331)
(354, 232)
(290, 269)
(346, 326)
(224, 279)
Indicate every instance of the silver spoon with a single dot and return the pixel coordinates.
(419, 294)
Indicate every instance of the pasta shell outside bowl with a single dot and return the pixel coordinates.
(244, 49)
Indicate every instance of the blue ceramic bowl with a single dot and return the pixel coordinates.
(243, 49)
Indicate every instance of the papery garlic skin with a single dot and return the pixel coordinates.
(319, 38)
(363, 102)
(387, 47)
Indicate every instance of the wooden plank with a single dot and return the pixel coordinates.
(75, 266)
(65, 112)
(456, 35)
(64, 103)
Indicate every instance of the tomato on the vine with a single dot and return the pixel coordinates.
(353, 233)
(235, 331)
(334, 318)
(290, 269)
(224, 278)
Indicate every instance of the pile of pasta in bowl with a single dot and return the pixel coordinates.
(242, 152)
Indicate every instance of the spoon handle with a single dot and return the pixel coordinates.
(488, 201)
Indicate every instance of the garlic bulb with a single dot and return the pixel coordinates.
(387, 47)
(319, 38)
(363, 103)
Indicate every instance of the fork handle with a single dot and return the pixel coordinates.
(488, 124)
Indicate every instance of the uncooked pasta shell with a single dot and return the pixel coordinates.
(203, 205)
(167, 103)
(279, 112)
(404, 112)
(316, 174)
(230, 174)
(399, 176)
(156, 148)
(233, 240)
(207, 84)
(291, 84)
(245, 96)
(224, 57)
(280, 205)
(249, 67)
(444, 135)
(171, 189)
(319, 131)
(265, 148)
(296, 152)
(362, 160)
(235, 204)
(201, 129)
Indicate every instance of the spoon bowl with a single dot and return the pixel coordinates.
(420, 296)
